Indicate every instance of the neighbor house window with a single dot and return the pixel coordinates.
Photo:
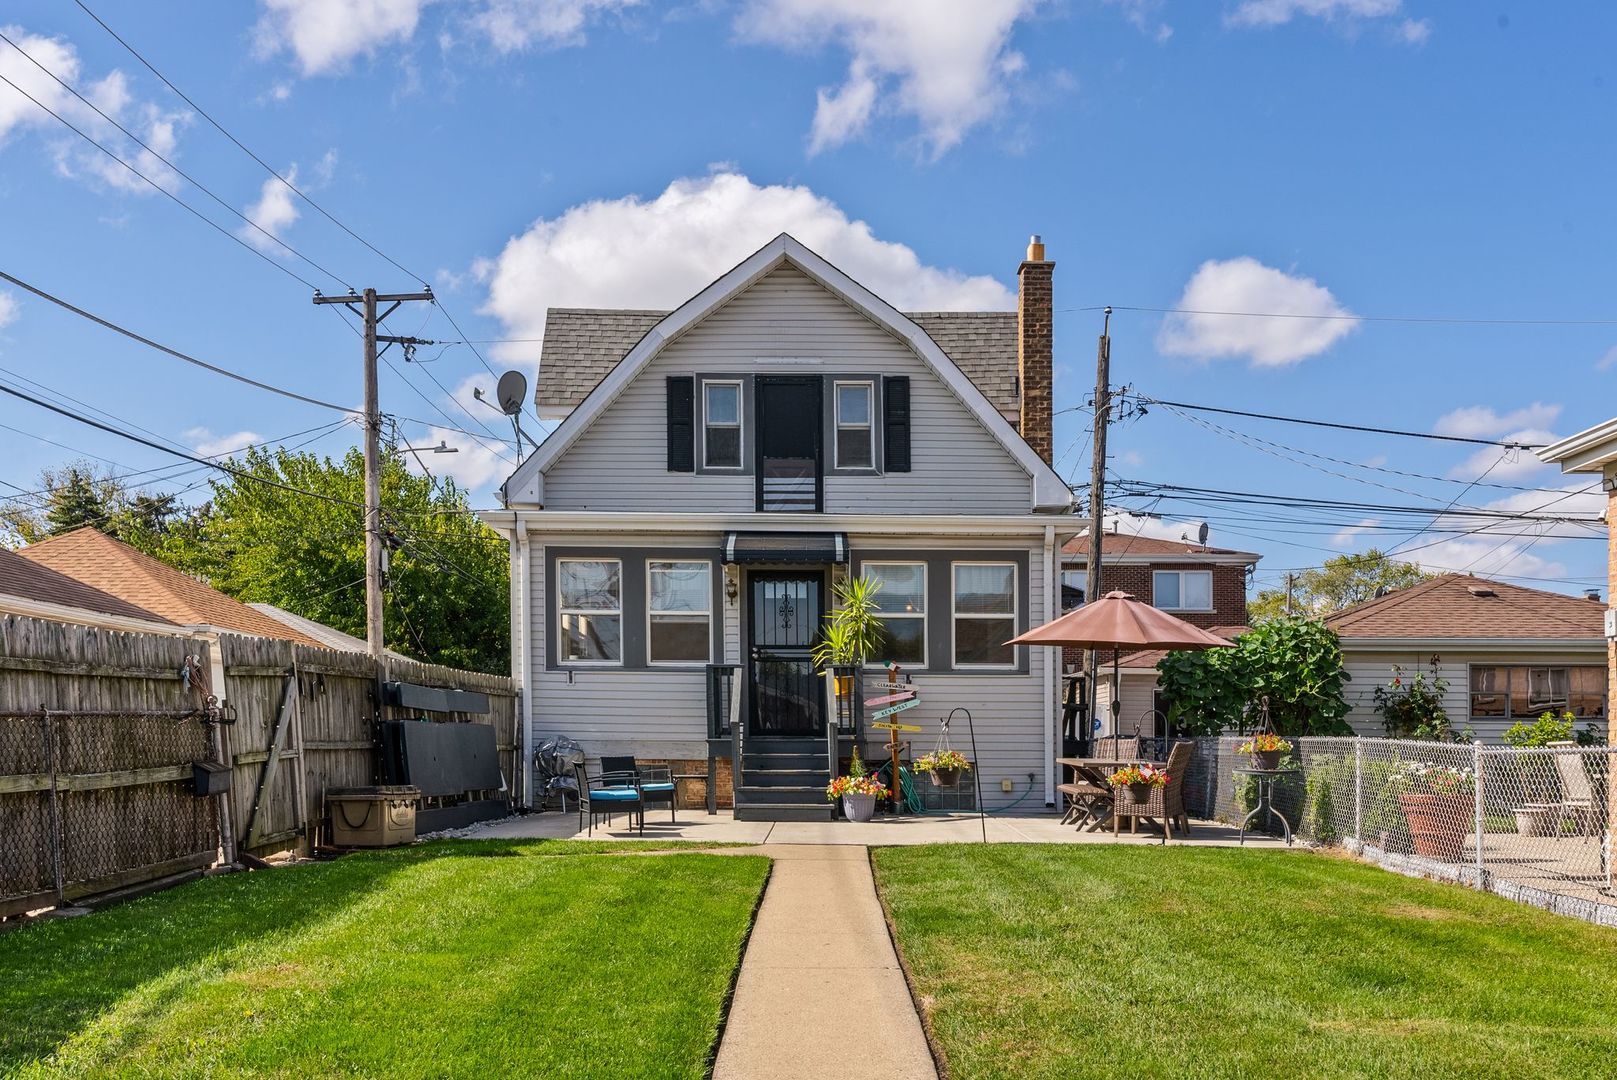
(721, 425)
(855, 431)
(589, 606)
(901, 602)
(984, 614)
(1073, 583)
(679, 611)
(1182, 590)
(1525, 691)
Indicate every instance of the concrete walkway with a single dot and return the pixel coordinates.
(820, 992)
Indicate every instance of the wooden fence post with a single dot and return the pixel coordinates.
(277, 741)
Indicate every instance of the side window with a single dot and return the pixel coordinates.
(679, 610)
(984, 614)
(1182, 590)
(589, 611)
(901, 603)
(856, 431)
(721, 425)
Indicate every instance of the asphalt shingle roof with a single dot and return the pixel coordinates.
(1461, 606)
(32, 581)
(582, 345)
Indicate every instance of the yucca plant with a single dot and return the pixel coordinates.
(853, 629)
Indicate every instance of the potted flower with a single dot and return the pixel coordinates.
(1266, 749)
(858, 791)
(944, 765)
(852, 633)
(1439, 803)
(1139, 779)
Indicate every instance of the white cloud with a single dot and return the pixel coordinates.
(1482, 422)
(207, 444)
(516, 24)
(1142, 15)
(325, 37)
(273, 213)
(1501, 464)
(948, 63)
(1124, 523)
(1347, 536)
(1349, 14)
(1132, 458)
(1608, 360)
(657, 253)
(1514, 547)
(473, 465)
(1315, 320)
(9, 308)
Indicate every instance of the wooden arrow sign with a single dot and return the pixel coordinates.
(891, 709)
(890, 726)
(888, 699)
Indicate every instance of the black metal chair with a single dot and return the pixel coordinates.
(608, 794)
(656, 782)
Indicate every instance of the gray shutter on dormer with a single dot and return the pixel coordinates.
(896, 423)
(681, 423)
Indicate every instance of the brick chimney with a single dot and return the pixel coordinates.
(1035, 347)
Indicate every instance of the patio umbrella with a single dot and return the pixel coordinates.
(1117, 620)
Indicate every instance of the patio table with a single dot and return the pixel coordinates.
(1095, 770)
(1266, 797)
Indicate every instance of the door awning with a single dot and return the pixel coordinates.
(815, 549)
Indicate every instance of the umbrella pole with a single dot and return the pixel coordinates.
(1117, 695)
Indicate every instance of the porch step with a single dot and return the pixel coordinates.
(769, 777)
(784, 744)
(782, 795)
(793, 812)
(753, 761)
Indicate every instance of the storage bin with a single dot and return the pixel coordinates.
(370, 817)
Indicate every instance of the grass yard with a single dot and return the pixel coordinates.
(1100, 961)
(452, 959)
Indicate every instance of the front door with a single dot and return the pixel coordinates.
(787, 695)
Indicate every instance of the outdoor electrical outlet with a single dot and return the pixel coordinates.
(1005, 785)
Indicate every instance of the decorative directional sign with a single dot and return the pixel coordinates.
(888, 699)
(890, 726)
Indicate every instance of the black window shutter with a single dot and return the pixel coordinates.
(681, 423)
(896, 423)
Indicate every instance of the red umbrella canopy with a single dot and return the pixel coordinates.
(1117, 620)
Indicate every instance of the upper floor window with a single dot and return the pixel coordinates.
(901, 603)
(721, 425)
(1182, 590)
(1073, 584)
(984, 599)
(679, 612)
(589, 607)
(856, 430)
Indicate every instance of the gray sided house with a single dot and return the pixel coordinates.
(674, 542)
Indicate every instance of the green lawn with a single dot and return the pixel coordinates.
(1102, 961)
(450, 959)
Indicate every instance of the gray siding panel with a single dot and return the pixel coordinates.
(619, 463)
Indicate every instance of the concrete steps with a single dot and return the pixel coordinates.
(783, 779)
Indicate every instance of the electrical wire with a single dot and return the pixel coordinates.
(1365, 428)
(1350, 317)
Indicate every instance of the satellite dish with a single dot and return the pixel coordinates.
(1201, 535)
(512, 391)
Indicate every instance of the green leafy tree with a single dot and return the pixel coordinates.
(1295, 663)
(447, 598)
(80, 494)
(1343, 581)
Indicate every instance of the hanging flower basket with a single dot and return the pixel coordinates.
(944, 766)
(1140, 794)
(1267, 751)
(1139, 780)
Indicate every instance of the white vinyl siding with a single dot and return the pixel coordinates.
(984, 596)
(902, 604)
(589, 611)
(620, 462)
(1182, 590)
(679, 611)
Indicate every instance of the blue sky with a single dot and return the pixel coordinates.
(1347, 157)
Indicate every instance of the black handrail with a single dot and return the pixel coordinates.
(720, 680)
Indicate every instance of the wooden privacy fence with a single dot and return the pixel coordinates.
(99, 731)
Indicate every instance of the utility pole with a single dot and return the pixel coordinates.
(1097, 502)
(1291, 579)
(366, 302)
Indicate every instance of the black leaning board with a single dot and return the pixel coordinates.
(440, 759)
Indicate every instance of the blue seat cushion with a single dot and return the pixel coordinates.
(658, 785)
(615, 794)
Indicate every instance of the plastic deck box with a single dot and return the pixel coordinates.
(371, 817)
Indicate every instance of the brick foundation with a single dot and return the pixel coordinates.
(693, 794)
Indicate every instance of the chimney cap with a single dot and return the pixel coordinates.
(1035, 248)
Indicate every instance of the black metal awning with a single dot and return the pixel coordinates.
(815, 549)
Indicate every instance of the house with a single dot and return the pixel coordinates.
(327, 637)
(1202, 585)
(718, 467)
(1506, 652)
(28, 588)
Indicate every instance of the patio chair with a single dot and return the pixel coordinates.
(1118, 748)
(656, 783)
(609, 794)
(1578, 798)
(1167, 803)
(1086, 802)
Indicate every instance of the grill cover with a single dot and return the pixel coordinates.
(813, 549)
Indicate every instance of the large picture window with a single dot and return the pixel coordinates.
(589, 607)
(855, 403)
(721, 425)
(984, 614)
(901, 602)
(679, 612)
(1182, 590)
(1524, 691)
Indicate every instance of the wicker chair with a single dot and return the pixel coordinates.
(1167, 803)
(1118, 748)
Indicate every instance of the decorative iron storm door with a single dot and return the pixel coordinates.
(787, 695)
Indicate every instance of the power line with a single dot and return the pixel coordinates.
(1341, 426)
(1147, 488)
(1349, 317)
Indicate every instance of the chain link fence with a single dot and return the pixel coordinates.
(1531, 824)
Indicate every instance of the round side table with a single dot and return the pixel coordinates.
(1266, 798)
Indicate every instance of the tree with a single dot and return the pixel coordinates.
(1295, 663)
(446, 594)
(1343, 581)
(81, 494)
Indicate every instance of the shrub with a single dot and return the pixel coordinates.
(1295, 663)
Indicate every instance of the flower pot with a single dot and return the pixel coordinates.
(1439, 824)
(1268, 760)
(859, 807)
(1140, 794)
(1532, 820)
(946, 777)
(844, 685)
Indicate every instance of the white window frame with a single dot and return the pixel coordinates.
(926, 638)
(706, 613)
(955, 615)
(1181, 575)
(837, 425)
(740, 424)
(562, 612)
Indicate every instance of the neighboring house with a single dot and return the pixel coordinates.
(720, 466)
(1200, 584)
(27, 588)
(1508, 653)
(326, 636)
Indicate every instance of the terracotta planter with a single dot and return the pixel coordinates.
(1268, 760)
(946, 777)
(1439, 824)
(1533, 821)
(1140, 794)
(859, 807)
